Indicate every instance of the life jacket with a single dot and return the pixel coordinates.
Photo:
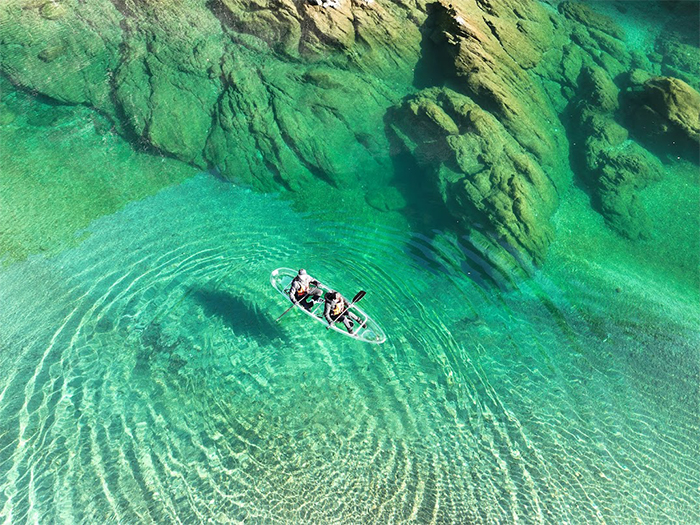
(339, 307)
(303, 286)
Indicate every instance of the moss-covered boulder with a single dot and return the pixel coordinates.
(487, 180)
(622, 173)
(598, 37)
(615, 168)
(664, 113)
(486, 71)
(490, 140)
(166, 85)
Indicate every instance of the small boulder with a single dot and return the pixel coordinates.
(53, 10)
(664, 113)
(676, 103)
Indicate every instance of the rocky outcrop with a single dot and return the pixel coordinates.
(664, 113)
(200, 80)
(614, 167)
(676, 104)
(288, 94)
(362, 30)
(487, 66)
(613, 130)
(487, 180)
(489, 142)
(166, 87)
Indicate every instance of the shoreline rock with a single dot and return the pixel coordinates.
(315, 100)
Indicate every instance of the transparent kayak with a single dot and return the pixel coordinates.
(281, 278)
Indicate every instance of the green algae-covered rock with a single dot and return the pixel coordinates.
(291, 95)
(622, 173)
(597, 41)
(666, 109)
(372, 34)
(52, 52)
(600, 91)
(676, 47)
(260, 126)
(65, 50)
(164, 84)
(483, 174)
(53, 10)
(614, 167)
(586, 16)
(486, 72)
(490, 142)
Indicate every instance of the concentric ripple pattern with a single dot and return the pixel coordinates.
(145, 380)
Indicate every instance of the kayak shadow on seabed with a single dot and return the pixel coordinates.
(240, 315)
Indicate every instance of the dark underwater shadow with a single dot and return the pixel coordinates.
(428, 216)
(434, 67)
(426, 211)
(238, 314)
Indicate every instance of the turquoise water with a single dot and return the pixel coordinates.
(148, 381)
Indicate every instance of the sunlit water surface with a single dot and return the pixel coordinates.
(146, 380)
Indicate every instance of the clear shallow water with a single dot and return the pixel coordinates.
(146, 380)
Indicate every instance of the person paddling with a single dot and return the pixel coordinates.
(303, 288)
(336, 309)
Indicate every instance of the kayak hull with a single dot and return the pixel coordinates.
(281, 279)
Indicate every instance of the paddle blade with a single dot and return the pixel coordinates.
(359, 296)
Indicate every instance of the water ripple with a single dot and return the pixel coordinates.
(153, 384)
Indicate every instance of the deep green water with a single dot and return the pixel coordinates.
(146, 380)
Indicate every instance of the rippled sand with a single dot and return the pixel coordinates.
(147, 381)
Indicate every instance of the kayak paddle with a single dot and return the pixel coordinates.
(293, 305)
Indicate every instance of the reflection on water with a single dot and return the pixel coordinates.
(146, 380)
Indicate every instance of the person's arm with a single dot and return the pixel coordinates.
(293, 290)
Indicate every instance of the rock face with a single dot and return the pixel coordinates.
(167, 87)
(614, 167)
(665, 112)
(489, 142)
(316, 99)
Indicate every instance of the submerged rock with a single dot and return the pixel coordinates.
(312, 98)
(614, 167)
(489, 142)
(664, 112)
(64, 50)
(487, 180)
(53, 10)
(586, 16)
